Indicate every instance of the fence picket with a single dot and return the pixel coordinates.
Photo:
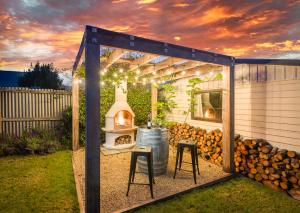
(22, 109)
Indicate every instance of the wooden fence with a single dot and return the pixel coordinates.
(23, 109)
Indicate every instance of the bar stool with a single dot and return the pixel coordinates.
(141, 151)
(192, 146)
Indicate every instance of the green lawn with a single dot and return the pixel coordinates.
(38, 183)
(236, 195)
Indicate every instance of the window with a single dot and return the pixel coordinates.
(208, 106)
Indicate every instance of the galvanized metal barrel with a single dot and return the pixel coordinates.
(157, 138)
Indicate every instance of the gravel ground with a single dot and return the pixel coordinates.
(114, 178)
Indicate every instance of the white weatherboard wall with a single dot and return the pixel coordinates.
(267, 104)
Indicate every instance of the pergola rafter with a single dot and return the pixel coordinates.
(113, 58)
(93, 39)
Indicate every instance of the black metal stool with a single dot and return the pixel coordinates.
(192, 145)
(138, 151)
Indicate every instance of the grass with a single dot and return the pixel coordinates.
(236, 195)
(38, 183)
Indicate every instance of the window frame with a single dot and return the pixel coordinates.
(193, 117)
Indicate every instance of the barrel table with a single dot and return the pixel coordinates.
(157, 138)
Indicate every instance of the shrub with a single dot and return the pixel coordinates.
(35, 141)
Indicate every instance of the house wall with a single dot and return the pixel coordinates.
(267, 104)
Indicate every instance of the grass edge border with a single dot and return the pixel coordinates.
(168, 197)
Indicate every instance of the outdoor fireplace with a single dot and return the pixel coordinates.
(123, 120)
(119, 121)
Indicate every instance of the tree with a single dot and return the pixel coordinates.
(43, 76)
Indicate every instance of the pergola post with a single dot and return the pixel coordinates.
(92, 92)
(153, 101)
(75, 113)
(228, 118)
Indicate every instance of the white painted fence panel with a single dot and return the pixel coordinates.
(23, 109)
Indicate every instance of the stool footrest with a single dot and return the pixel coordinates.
(188, 162)
(145, 184)
(184, 170)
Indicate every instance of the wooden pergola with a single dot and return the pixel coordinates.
(177, 59)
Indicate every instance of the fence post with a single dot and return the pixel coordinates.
(1, 113)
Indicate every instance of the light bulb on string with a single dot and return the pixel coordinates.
(102, 83)
(197, 73)
(126, 77)
(133, 83)
(136, 78)
(183, 73)
(115, 75)
(144, 83)
(138, 71)
(121, 70)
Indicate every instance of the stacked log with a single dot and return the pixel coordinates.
(209, 143)
(259, 160)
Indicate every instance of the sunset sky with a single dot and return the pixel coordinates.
(51, 30)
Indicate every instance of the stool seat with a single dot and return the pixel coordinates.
(141, 151)
(192, 145)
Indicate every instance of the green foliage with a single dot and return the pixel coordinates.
(192, 88)
(35, 141)
(43, 76)
(165, 103)
(139, 99)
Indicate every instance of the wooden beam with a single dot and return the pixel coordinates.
(75, 113)
(79, 54)
(114, 57)
(135, 43)
(92, 102)
(228, 118)
(153, 101)
(177, 69)
(141, 61)
(161, 65)
(192, 72)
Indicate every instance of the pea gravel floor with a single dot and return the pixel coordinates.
(114, 177)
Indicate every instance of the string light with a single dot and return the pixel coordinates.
(154, 72)
(114, 83)
(144, 83)
(126, 77)
(197, 73)
(183, 73)
(134, 84)
(169, 72)
(105, 70)
(136, 78)
(102, 73)
(115, 75)
(121, 70)
(138, 71)
(144, 79)
(102, 83)
(151, 80)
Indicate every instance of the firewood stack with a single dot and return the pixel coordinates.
(276, 168)
(209, 143)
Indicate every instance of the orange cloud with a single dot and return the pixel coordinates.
(287, 45)
(146, 1)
